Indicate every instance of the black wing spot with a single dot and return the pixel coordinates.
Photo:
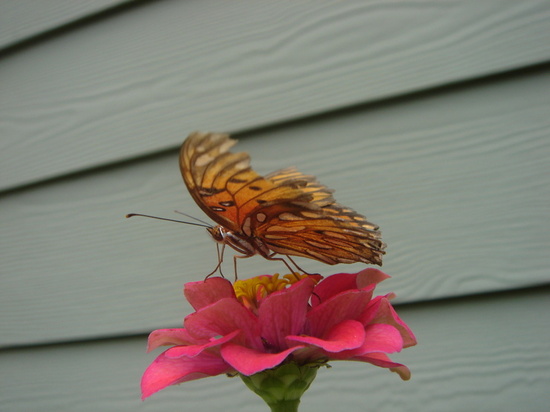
(228, 203)
(236, 180)
(217, 209)
(256, 188)
(260, 201)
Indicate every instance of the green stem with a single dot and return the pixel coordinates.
(285, 406)
(282, 387)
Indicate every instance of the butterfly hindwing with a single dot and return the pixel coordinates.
(321, 229)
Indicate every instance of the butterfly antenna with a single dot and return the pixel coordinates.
(193, 217)
(168, 220)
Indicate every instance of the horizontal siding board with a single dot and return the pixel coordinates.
(24, 19)
(457, 181)
(469, 358)
(135, 84)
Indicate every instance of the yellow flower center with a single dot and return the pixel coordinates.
(251, 291)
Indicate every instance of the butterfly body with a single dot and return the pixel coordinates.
(248, 246)
(285, 212)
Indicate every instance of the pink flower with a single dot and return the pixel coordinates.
(264, 322)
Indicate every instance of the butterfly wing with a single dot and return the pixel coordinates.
(292, 213)
(320, 229)
(320, 195)
(225, 187)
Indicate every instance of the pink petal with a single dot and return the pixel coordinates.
(349, 334)
(164, 371)
(378, 338)
(370, 276)
(383, 361)
(222, 318)
(371, 311)
(381, 311)
(332, 285)
(341, 282)
(169, 337)
(284, 313)
(206, 292)
(344, 306)
(248, 361)
(382, 338)
(193, 350)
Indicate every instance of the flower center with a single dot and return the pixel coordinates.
(250, 292)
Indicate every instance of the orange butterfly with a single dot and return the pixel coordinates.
(285, 212)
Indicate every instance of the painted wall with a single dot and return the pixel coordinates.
(431, 118)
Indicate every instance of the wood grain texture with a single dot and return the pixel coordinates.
(469, 358)
(457, 180)
(23, 19)
(132, 85)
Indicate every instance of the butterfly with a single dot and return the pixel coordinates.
(283, 213)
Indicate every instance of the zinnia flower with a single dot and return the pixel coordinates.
(266, 325)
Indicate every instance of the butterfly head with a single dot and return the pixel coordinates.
(218, 233)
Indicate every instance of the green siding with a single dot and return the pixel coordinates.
(429, 117)
(133, 83)
(22, 20)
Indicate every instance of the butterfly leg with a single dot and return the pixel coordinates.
(306, 273)
(235, 257)
(298, 267)
(272, 257)
(220, 260)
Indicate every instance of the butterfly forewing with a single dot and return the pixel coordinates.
(289, 212)
(223, 184)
